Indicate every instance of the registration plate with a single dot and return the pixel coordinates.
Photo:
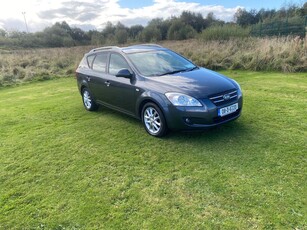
(228, 110)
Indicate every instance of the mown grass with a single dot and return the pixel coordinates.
(62, 167)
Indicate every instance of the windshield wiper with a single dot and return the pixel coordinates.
(172, 72)
(179, 70)
(190, 69)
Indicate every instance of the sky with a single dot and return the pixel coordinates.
(94, 14)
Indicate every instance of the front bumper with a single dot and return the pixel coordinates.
(194, 118)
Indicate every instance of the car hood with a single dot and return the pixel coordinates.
(198, 83)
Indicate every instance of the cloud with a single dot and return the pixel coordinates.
(85, 27)
(165, 9)
(73, 10)
(82, 13)
(13, 24)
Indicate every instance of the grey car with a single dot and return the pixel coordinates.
(158, 86)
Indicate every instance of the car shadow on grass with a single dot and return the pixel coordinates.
(233, 130)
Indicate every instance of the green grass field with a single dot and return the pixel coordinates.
(62, 167)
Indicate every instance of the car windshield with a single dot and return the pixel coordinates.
(160, 62)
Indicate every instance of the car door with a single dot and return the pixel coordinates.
(121, 91)
(97, 79)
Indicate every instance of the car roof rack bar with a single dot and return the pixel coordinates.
(148, 44)
(151, 44)
(104, 48)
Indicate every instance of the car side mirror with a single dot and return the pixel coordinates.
(124, 73)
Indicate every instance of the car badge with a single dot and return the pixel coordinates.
(226, 97)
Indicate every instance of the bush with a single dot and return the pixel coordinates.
(224, 32)
(121, 36)
(180, 31)
(151, 34)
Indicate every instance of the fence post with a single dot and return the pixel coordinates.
(287, 26)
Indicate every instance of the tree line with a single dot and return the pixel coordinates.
(187, 25)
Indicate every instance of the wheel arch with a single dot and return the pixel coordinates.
(83, 85)
(150, 97)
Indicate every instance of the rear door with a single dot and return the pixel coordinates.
(97, 79)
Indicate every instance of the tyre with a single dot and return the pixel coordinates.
(88, 102)
(153, 120)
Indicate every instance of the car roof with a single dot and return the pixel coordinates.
(129, 49)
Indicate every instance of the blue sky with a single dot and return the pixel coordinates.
(94, 14)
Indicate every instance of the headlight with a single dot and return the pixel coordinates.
(179, 99)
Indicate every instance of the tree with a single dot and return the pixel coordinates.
(244, 18)
(79, 36)
(210, 19)
(58, 35)
(195, 20)
(151, 34)
(2, 33)
(160, 24)
(135, 31)
(180, 31)
(121, 36)
(305, 8)
(97, 38)
(109, 30)
(121, 33)
(64, 26)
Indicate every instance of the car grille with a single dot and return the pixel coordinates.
(223, 98)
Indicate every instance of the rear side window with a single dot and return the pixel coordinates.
(83, 64)
(117, 62)
(90, 60)
(100, 62)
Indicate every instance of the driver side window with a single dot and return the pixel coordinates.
(117, 62)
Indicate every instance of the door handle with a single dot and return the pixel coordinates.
(107, 83)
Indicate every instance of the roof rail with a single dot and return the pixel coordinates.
(104, 48)
(150, 44)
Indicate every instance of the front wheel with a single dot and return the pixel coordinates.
(153, 120)
(88, 102)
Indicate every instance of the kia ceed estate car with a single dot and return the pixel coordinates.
(158, 86)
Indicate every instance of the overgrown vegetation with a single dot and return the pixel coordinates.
(187, 25)
(19, 66)
(224, 32)
(284, 54)
(64, 168)
(294, 26)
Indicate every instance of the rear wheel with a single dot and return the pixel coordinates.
(153, 120)
(88, 102)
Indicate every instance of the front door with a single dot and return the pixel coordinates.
(121, 91)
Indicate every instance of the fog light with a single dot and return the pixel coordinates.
(188, 120)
